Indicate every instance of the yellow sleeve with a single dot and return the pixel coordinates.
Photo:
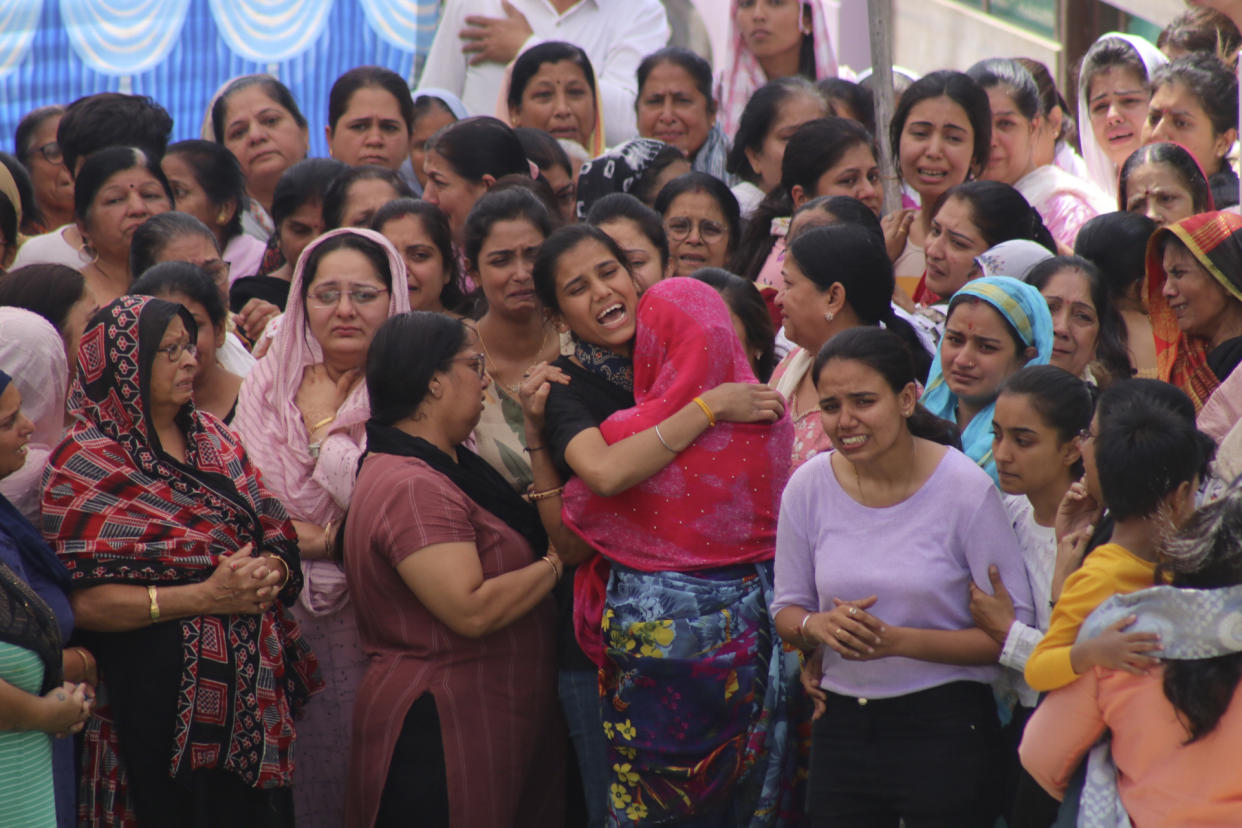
(1049, 665)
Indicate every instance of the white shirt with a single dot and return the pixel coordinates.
(1039, 553)
(615, 34)
(51, 248)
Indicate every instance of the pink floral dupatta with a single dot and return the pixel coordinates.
(271, 427)
(716, 504)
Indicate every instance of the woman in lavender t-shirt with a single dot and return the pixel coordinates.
(877, 545)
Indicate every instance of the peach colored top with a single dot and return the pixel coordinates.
(1162, 780)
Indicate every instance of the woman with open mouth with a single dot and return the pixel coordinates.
(941, 135)
(1195, 300)
(702, 221)
(1113, 98)
(584, 281)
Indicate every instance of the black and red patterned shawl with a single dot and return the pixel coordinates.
(117, 509)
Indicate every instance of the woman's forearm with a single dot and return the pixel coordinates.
(569, 546)
(124, 607)
(311, 540)
(478, 606)
(611, 469)
(971, 646)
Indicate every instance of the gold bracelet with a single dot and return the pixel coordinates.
(329, 538)
(86, 665)
(711, 418)
(284, 564)
(535, 497)
(155, 603)
(327, 420)
(556, 571)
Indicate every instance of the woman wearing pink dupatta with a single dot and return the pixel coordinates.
(742, 71)
(696, 684)
(309, 458)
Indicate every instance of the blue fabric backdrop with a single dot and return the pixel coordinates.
(180, 51)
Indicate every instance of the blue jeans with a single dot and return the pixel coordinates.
(579, 692)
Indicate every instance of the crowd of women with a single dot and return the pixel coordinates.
(483, 475)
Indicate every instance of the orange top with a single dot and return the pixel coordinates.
(1163, 781)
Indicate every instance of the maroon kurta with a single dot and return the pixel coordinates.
(495, 696)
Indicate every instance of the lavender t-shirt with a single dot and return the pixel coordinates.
(918, 556)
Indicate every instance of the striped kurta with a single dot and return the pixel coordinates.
(26, 796)
(501, 731)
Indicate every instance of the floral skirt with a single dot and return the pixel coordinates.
(698, 706)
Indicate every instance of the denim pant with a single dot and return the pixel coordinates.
(579, 692)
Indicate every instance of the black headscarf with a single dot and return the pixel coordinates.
(472, 474)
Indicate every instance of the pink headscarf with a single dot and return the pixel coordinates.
(740, 74)
(271, 427)
(33, 354)
(715, 504)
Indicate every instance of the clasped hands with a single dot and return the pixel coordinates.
(244, 585)
(851, 631)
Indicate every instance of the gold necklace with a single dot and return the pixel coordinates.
(513, 389)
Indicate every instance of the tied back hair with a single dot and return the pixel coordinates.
(885, 353)
(851, 256)
(814, 148)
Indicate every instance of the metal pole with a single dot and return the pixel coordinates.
(880, 25)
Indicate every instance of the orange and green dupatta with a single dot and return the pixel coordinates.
(1215, 240)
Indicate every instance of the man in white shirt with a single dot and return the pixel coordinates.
(478, 39)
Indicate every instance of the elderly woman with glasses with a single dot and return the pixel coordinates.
(302, 415)
(701, 218)
(182, 567)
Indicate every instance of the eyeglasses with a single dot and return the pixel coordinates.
(709, 231)
(174, 351)
(478, 361)
(357, 295)
(51, 153)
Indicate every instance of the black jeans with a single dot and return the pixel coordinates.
(928, 758)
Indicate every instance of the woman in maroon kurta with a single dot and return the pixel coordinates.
(456, 718)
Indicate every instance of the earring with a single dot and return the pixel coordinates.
(222, 216)
(829, 316)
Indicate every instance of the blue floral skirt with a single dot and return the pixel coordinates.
(699, 700)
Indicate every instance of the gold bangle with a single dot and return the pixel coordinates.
(556, 571)
(86, 665)
(284, 564)
(323, 423)
(329, 538)
(155, 603)
(711, 418)
(535, 497)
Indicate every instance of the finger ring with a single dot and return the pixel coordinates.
(853, 611)
(839, 632)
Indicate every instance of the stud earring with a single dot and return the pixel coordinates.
(829, 316)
